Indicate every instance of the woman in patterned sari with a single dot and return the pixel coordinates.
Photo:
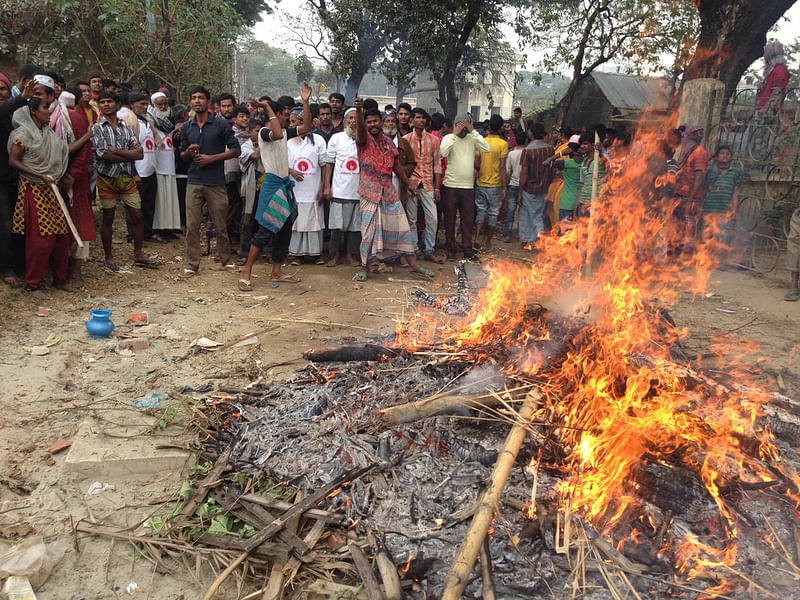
(40, 157)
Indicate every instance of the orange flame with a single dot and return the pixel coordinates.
(623, 403)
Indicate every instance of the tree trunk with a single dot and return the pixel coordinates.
(448, 97)
(732, 35)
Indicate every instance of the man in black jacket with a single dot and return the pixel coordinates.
(12, 254)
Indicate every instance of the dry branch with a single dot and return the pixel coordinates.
(437, 404)
(348, 353)
(279, 523)
(365, 570)
(458, 576)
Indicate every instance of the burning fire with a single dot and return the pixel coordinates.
(620, 402)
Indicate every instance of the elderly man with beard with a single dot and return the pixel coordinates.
(384, 227)
(405, 156)
(340, 177)
(167, 215)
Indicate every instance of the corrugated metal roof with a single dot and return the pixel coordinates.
(633, 93)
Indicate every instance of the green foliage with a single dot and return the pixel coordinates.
(177, 44)
(590, 33)
(304, 69)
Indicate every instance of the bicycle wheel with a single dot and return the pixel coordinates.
(743, 106)
(778, 183)
(790, 110)
(748, 214)
(764, 253)
(759, 146)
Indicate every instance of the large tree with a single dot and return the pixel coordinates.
(591, 33)
(358, 31)
(732, 36)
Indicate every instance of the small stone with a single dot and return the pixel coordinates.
(51, 462)
(59, 446)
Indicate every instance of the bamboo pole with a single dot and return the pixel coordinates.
(591, 259)
(457, 578)
(63, 206)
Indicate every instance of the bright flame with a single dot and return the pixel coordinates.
(619, 400)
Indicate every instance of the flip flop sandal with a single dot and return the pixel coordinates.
(111, 265)
(422, 272)
(361, 276)
(792, 296)
(245, 286)
(187, 273)
(319, 262)
(12, 281)
(285, 279)
(147, 263)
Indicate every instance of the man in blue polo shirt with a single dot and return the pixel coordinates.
(206, 142)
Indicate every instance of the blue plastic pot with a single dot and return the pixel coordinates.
(100, 325)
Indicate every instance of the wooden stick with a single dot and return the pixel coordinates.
(276, 577)
(487, 582)
(388, 571)
(279, 523)
(457, 578)
(437, 404)
(346, 353)
(65, 210)
(365, 570)
(312, 513)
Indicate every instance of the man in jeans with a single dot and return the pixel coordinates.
(207, 141)
(534, 178)
(490, 190)
(425, 183)
(458, 194)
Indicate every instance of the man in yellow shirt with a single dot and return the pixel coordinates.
(491, 187)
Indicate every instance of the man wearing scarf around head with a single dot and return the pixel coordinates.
(72, 126)
(40, 157)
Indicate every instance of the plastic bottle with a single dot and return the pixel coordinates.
(18, 588)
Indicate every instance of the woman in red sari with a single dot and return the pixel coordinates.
(40, 157)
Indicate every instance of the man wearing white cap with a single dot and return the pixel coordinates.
(44, 87)
(167, 215)
(341, 158)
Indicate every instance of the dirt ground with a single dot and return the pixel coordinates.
(85, 382)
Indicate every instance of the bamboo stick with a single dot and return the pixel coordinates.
(457, 578)
(65, 210)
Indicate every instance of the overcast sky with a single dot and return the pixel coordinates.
(272, 31)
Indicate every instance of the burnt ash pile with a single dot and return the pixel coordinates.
(339, 416)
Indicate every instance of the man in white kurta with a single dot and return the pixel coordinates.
(306, 157)
(341, 178)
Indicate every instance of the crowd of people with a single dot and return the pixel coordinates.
(302, 181)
